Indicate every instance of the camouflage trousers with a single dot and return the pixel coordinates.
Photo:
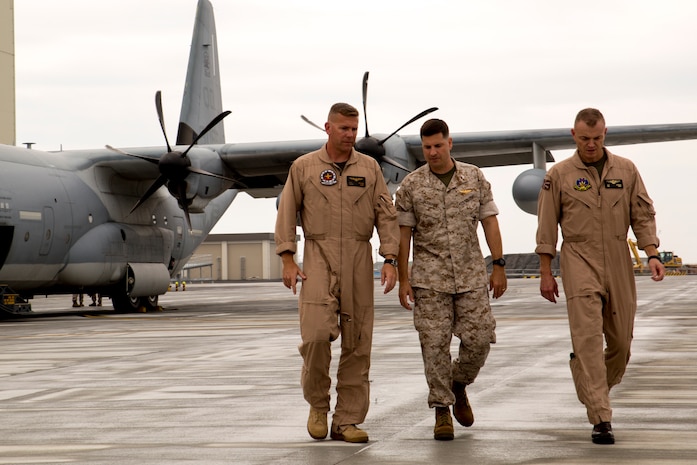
(437, 317)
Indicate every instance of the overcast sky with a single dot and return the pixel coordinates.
(87, 73)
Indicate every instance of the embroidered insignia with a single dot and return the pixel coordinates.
(582, 184)
(613, 184)
(466, 191)
(546, 184)
(328, 178)
(358, 181)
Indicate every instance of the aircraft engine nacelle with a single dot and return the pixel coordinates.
(526, 189)
(396, 149)
(201, 189)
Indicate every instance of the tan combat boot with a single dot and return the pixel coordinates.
(443, 431)
(349, 433)
(317, 424)
(462, 408)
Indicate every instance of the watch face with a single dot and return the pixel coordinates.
(499, 261)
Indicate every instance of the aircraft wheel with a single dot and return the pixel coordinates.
(150, 302)
(125, 304)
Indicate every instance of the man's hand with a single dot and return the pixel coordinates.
(406, 295)
(658, 270)
(548, 287)
(291, 271)
(388, 277)
(498, 281)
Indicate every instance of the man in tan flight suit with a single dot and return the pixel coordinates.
(341, 196)
(441, 204)
(595, 196)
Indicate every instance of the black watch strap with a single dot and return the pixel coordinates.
(391, 261)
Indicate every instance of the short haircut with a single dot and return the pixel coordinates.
(434, 126)
(343, 109)
(590, 116)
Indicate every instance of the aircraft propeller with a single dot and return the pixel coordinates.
(371, 145)
(174, 166)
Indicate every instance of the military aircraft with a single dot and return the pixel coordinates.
(123, 221)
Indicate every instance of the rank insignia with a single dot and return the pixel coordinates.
(546, 184)
(582, 184)
(613, 184)
(327, 178)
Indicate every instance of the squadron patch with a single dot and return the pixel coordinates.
(358, 181)
(613, 184)
(328, 178)
(582, 184)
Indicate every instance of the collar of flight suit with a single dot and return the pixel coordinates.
(324, 156)
(578, 163)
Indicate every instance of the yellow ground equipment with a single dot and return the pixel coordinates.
(672, 262)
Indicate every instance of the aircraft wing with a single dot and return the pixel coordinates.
(503, 148)
(263, 166)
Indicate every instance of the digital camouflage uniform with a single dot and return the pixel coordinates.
(338, 211)
(448, 274)
(595, 214)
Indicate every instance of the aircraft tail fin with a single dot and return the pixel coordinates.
(202, 99)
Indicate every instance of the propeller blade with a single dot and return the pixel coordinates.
(208, 173)
(181, 189)
(210, 126)
(365, 102)
(307, 120)
(159, 182)
(142, 157)
(423, 113)
(158, 105)
(395, 163)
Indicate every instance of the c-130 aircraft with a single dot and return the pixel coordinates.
(123, 222)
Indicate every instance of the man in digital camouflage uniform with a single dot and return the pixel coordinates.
(440, 205)
(595, 196)
(341, 195)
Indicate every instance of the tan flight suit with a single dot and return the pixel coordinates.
(448, 274)
(338, 211)
(596, 268)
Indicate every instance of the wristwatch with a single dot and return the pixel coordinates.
(391, 261)
(499, 262)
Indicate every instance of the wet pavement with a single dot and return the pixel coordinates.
(214, 379)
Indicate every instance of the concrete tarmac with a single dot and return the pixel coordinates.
(214, 379)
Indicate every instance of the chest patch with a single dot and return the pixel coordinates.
(613, 184)
(358, 181)
(328, 178)
(582, 184)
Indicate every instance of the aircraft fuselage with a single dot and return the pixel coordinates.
(71, 228)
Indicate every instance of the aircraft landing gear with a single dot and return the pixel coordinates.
(126, 304)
